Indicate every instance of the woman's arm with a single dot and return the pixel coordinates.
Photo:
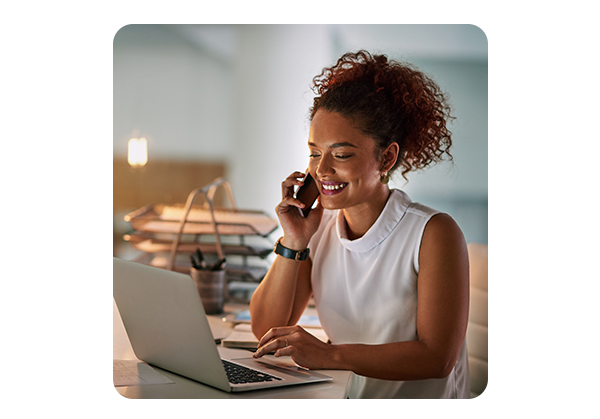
(442, 314)
(283, 294)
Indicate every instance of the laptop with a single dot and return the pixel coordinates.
(167, 327)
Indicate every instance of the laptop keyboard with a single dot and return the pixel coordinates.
(238, 374)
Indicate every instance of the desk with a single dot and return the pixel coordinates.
(184, 388)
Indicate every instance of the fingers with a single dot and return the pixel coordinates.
(286, 351)
(277, 340)
(275, 332)
(280, 346)
(287, 186)
(287, 202)
(287, 191)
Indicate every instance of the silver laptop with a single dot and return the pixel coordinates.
(167, 326)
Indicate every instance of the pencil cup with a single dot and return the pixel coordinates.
(212, 288)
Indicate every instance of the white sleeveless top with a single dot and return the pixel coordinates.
(365, 291)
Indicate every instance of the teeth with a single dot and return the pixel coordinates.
(334, 187)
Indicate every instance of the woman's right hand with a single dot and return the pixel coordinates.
(297, 230)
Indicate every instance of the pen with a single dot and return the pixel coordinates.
(200, 258)
(194, 264)
(220, 265)
(201, 264)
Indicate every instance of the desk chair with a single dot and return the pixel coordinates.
(477, 330)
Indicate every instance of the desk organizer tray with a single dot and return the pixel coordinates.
(177, 229)
(149, 244)
(158, 218)
(241, 273)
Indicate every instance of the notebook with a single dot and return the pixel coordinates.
(167, 327)
(305, 320)
(242, 337)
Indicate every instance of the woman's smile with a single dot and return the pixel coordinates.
(332, 188)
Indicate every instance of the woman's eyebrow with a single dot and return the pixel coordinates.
(335, 145)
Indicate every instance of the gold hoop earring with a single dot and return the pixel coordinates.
(385, 178)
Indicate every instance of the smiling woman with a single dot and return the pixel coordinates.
(389, 276)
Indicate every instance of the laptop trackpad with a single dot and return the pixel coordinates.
(276, 367)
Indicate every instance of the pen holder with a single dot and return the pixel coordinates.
(212, 289)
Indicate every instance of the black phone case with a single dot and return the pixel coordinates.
(307, 194)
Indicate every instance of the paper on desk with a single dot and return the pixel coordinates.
(304, 321)
(135, 373)
(242, 337)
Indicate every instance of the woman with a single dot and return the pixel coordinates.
(389, 277)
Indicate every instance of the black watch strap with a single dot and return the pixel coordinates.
(289, 253)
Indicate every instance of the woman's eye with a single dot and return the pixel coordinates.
(343, 156)
(313, 155)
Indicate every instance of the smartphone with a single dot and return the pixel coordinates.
(307, 194)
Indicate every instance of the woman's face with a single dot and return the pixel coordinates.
(344, 162)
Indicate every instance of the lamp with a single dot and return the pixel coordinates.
(137, 152)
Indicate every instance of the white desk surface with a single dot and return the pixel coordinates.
(184, 388)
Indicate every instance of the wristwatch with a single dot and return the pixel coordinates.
(289, 253)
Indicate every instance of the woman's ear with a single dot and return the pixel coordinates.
(389, 157)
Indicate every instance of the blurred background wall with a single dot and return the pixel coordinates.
(233, 100)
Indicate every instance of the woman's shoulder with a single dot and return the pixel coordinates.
(406, 205)
(443, 232)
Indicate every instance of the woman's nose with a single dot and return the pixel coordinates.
(324, 169)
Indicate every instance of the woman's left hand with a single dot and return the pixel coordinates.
(305, 349)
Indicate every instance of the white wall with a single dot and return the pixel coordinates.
(273, 70)
(173, 92)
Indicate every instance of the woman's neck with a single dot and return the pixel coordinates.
(360, 218)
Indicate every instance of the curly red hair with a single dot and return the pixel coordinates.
(391, 102)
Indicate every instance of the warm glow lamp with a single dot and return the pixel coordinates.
(137, 152)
